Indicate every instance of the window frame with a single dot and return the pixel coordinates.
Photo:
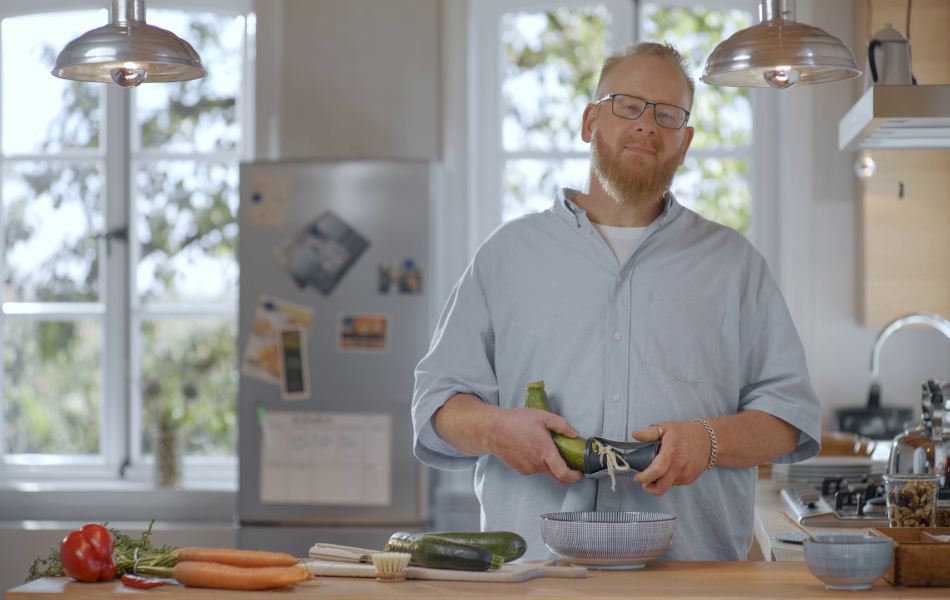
(486, 110)
(118, 308)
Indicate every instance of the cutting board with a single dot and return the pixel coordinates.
(508, 573)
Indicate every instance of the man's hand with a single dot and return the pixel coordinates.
(521, 438)
(684, 454)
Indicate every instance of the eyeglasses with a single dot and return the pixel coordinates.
(631, 107)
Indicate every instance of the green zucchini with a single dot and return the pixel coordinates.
(509, 546)
(430, 551)
(571, 449)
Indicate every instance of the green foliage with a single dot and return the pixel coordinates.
(560, 63)
(202, 354)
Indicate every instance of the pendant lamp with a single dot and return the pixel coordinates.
(128, 52)
(780, 53)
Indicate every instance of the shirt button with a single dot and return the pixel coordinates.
(619, 278)
(616, 398)
(617, 336)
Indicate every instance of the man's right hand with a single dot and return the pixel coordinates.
(521, 438)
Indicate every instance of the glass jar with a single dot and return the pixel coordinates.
(168, 447)
(911, 500)
(943, 513)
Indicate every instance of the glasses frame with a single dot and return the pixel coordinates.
(645, 106)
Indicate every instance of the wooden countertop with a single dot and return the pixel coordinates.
(758, 580)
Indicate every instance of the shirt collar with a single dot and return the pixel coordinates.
(565, 207)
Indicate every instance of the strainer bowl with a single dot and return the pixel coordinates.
(608, 539)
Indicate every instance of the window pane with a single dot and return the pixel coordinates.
(530, 185)
(187, 230)
(718, 189)
(722, 116)
(197, 353)
(50, 214)
(42, 113)
(52, 386)
(552, 63)
(199, 115)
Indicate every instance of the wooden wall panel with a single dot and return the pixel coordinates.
(904, 244)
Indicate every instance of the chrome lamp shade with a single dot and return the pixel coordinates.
(780, 53)
(128, 52)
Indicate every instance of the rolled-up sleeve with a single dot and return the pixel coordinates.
(460, 361)
(775, 376)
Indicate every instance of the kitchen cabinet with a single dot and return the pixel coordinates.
(903, 209)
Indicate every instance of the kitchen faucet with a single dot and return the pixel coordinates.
(937, 322)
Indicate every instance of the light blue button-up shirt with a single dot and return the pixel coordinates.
(692, 325)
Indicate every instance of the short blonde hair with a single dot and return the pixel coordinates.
(664, 51)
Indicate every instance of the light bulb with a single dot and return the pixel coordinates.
(865, 165)
(782, 78)
(129, 75)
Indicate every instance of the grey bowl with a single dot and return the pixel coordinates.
(608, 539)
(848, 561)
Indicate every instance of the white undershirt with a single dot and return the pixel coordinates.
(623, 241)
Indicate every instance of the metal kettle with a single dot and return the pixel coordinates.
(925, 449)
(889, 59)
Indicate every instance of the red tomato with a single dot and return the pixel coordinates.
(87, 555)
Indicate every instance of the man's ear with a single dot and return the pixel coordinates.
(686, 142)
(590, 117)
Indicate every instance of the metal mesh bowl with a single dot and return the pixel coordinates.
(848, 561)
(608, 539)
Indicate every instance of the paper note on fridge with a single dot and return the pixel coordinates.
(268, 201)
(327, 458)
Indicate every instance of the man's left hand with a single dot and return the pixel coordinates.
(684, 454)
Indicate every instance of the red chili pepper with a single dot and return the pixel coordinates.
(86, 554)
(142, 583)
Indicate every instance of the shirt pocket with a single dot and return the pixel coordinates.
(683, 335)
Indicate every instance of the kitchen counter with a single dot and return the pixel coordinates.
(768, 522)
(759, 580)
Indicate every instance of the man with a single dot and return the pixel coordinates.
(644, 320)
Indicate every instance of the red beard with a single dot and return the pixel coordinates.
(632, 179)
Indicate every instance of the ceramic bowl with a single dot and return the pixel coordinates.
(608, 539)
(848, 561)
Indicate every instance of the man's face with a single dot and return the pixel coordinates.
(635, 160)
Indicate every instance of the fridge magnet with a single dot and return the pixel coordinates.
(362, 333)
(399, 277)
(268, 201)
(294, 378)
(320, 253)
(261, 359)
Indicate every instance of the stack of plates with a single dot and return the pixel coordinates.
(816, 470)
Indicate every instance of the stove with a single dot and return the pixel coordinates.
(837, 503)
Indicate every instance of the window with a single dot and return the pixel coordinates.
(119, 227)
(715, 179)
(526, 118)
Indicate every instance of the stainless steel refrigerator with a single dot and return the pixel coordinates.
(334, 315)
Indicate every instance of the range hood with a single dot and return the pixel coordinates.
(898, 117)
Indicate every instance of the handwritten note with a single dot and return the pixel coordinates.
(327, 458)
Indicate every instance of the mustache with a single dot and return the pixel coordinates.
(655, 144)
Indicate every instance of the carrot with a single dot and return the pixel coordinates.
(228, 577)
(237, 558)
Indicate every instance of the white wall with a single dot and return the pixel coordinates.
(818, 249)
(353, 79)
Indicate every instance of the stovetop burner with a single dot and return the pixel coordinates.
(838, 503)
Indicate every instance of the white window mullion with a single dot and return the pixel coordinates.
(115, 285)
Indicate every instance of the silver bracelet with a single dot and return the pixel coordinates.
(712, 438)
